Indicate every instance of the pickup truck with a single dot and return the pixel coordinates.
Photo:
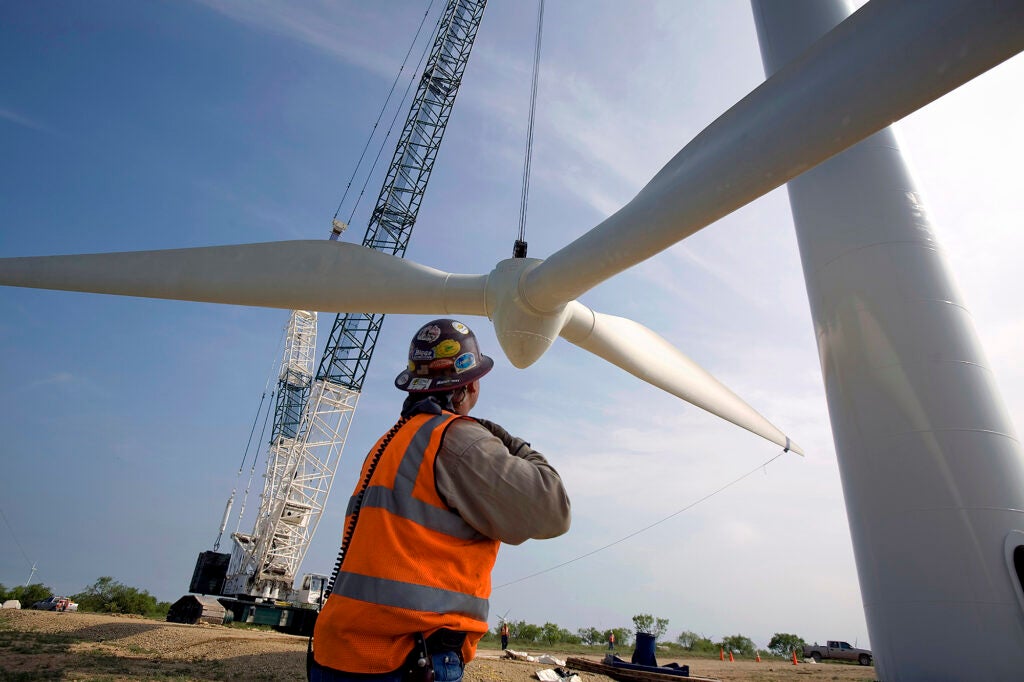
(841, 651)
(55, 604)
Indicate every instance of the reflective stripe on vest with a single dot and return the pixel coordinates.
(399, 500)
(408, 596)
(409, 507)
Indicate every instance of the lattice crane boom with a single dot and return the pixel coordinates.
(349, 348)
(313, 415)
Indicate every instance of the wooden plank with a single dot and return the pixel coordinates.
(625, 675)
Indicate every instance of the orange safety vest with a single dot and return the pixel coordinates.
(412, 565)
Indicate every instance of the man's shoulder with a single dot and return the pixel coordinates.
(466, 428)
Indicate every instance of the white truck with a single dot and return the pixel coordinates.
(840, 651)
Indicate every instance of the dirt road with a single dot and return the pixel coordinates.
(38, 645)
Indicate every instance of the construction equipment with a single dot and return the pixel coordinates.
(313, 415)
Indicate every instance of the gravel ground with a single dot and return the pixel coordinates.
(39, 645)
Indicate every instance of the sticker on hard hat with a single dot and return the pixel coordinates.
(447, 381)
(429, 333)
(412, 365)
(419, 384)
(402, 379)
(464, 362)
(447, 348)
(419, 354)
(459, 327)
(445, 363)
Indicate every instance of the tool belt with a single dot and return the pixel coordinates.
(418, 666)
(446, 640)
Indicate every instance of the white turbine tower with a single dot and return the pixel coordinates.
(887, 60)
(932, 471)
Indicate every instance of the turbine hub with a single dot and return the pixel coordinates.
(523, 332)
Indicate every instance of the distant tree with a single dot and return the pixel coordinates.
(556, 634)
(645, 622)
(26, 594)
(106, 595)
(524, 632)
(704, 644)
(590, 636)
(784, 644)
(686, 639)
(739, 644)
(691, 641)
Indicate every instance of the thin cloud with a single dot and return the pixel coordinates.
(25, 122)
(324, 26)
(58, 378)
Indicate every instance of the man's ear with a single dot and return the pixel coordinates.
(473, 387)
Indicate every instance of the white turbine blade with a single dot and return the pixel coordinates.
(887, 60)
(308, 275)
(651, 358)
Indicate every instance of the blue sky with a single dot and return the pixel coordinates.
(157, 125)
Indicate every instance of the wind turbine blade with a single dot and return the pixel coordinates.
(651, 358)
(885, 61)
(308, 275)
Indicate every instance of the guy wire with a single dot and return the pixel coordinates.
(645, 528)
(383, 109)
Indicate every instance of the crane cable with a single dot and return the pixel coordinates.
(252, 473)
(380, 115)
(394, 119)
(520, 247)
(245, 454)
(266, 389)
(762, 466)
(18, 544)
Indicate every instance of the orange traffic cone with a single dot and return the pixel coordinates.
(721, 654)
(731, 659)
(758, 657)
(794, 657)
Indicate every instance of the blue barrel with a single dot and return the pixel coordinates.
(643, 653)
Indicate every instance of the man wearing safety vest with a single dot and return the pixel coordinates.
(436, 497)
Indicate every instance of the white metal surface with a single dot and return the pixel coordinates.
(888, 60)
(932, 471)
(301, 274)
(355, 278)
(297, 481)
(264, 563)
(300, 475)
(616, 338)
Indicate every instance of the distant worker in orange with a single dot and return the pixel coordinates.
(611, 640)
(504, 635)
(437, 496)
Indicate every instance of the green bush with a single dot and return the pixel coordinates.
(691, 641)
(26, 594)
(107, 595)
(651, 625)
(739, 644)
(784, 644)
